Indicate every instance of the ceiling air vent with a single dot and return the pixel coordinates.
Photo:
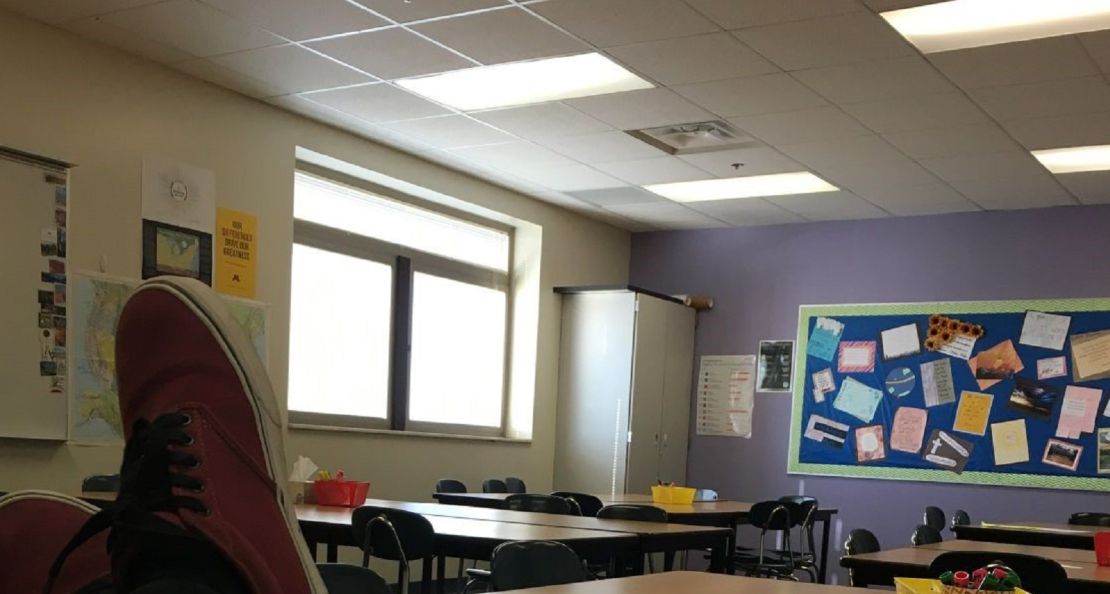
(696, 137)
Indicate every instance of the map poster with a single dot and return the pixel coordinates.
(95, 304)
(176, 251)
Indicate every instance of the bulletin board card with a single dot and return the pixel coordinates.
(1006, 393)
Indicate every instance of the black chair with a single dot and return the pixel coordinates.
(1037, 574)
(395, 535)
(860, 541)
(706, 495)
(960, 518)
(805, 558)
(450, 486)
(1089, 519)
(494, 486)
(546, 504)
(924, 534)
(588, 504)
(351, 579)
(515, 485)
(639, 513)
(530, 564)
(769, 516)
(101, 483)
(934, 518)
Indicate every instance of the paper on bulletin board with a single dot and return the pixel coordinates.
(236, 253)
(179, 194)
(1090, 355)
(726, 395)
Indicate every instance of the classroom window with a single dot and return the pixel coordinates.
(399, 312)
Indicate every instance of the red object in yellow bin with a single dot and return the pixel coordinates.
(341, 492)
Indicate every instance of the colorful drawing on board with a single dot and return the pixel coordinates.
(1062, 454)
(825, 338)
(869, 444)
(947, 451)
(900, 382)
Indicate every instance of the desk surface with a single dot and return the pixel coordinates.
(677, 582)
(1038, 527)
(721, 507)
(1059, 554)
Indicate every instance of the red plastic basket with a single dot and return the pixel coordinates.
(341, 493)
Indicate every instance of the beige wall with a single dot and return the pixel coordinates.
(66, 98)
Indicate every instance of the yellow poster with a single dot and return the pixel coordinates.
(973, 412)
(236, 253)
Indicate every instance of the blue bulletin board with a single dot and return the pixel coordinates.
(999, 393)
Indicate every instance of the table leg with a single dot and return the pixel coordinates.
(333, 553)
(821, 572)
(311, 548)
(730, 547)
(668, 560)
(441, 573)
(717, 557)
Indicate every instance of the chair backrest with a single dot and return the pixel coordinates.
(706, 495)
(1089, 519)
(515, 485)
(772, 515)
(531, 502)
(860, 541)
(531, 564)
(925, 534)
(101, 483)
(494, 486)
(625, 511)
(960, 518)
(1037, 574)
(376, 537)
(588, 505)
(341, 578)
(934, 518)
(450, 486)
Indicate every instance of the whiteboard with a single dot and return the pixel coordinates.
(33, 201)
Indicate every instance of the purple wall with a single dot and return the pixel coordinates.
(759, 276)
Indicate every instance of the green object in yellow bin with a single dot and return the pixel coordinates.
(992, 578)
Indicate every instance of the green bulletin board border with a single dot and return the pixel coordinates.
(805, 312)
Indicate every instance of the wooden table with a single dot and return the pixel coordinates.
(1084, 575)
(727, 514)
(1033, 533)
(682, 582)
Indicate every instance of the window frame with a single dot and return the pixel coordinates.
(405, 262)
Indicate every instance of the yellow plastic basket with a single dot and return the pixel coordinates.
(675, 495)
(924, 586)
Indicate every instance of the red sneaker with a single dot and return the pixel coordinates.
(204, 442)
(35, 526)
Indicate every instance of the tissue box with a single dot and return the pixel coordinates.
(302, 491)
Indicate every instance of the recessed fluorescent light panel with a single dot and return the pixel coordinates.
(1076, 159)
(522, 83)
(779, 184)
(959, 24)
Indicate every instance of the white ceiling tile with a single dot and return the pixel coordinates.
(929, 199)
(57, 11)
(347, 122)
(571, 178)
(299, 20)
(1050, 58)
(752, 95)
(1009, 194)
(828, 41)
(192, 27)
(917, 113)
(391, 53)
(225, 77)
(98, 30)
(878, 79)
(715, 56)
(751, 161)
(378, 102)
(735, 14)
(1090, 187)
(882, 174)
(449, 131)
(1097, 45)
(1011, 165)
(667, 215)
(501, 36)
(616, 196)
(537, 122)
(608, 23)
(405, 12)
(603, 147)
(641, 109)
(841, 152)
(292, 68)
(513, 157)
(1061, 131)
(746, 212)
(657, 170)
(829, 206)
(1090, 94)
(801, 126)
(946, 142)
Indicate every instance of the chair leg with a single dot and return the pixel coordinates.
(426, 576)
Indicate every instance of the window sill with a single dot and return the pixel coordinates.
(405, 434)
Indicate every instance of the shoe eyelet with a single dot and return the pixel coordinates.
(188, 420)
(190, 441)
(195, 464)
(205, 512)
(199, 489)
